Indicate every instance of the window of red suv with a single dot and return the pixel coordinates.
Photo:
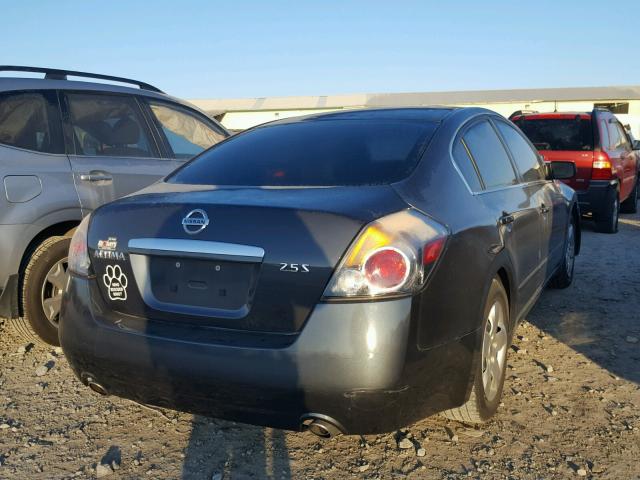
(574, 133)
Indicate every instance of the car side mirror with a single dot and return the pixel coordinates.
(560, 170)
(636, 144)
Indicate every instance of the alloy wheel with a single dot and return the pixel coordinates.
(52, 290)
(494, 350)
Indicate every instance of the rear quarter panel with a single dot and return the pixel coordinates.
(451, 303)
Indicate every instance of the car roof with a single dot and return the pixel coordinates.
(554, 115)
(425, 114)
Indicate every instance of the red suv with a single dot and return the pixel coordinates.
(607, 166)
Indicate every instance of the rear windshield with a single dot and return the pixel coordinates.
(558, 133)
(313, 153)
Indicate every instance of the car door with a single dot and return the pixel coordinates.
(184, 132)
(627, 159)
(617, 154)
(545, 194)
(515, 207)
(111, 147)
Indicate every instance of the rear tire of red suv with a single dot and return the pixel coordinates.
(630, 205)
(607, 219)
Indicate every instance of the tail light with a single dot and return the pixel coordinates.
(391, 256)
(601, 168)
(79, 261)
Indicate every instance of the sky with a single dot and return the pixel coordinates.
(231, 49)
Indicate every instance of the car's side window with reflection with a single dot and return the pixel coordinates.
(465, 165)
(186, 134)
(614, 136)
(108, 125)
(525, 157)
(26, 120)
(489, 155)
(624, 140)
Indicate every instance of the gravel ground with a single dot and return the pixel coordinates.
(571, 407)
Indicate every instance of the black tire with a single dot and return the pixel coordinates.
(564, 276)
(483, 404)
(607, 220)
(41, 285)
(630, 205)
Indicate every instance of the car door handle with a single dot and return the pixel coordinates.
(96, 177)
(506, 219)
(544, 208)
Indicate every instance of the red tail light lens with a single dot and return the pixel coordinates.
(393, 255)
(387, 268)
(601, 168)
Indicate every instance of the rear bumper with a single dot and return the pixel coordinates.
(594, 198)
(352, 362)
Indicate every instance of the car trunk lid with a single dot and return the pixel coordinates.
(260, 264)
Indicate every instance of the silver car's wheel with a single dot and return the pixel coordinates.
(44, 280)
(52, 290)
(494, 351)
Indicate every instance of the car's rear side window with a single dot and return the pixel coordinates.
(567, 134)
(525, 157)
(108, 125)
(30, 120)
(489, 155)
(465, 165)
(313, 153)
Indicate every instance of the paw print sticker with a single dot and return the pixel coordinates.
(116, 282)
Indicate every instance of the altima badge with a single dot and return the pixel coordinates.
(195, 221)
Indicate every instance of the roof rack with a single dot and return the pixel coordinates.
(58, 74)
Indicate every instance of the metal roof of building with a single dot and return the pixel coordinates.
(631, 92)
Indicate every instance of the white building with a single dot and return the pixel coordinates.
(242, 113)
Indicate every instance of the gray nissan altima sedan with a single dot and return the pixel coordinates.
(349, 272)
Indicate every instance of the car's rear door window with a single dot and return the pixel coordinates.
(187, 135)
(31, 120)
(108, 125)
(525, 157)
(489, 155)
(314, 152)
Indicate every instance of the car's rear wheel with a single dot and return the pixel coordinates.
(564, 275)
(44, 280)
(492, 362)
(630, 205)
(607, 220)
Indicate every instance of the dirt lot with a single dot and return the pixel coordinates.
(571, 407)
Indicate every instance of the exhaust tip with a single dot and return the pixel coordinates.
(93, 385)
(96, 387)
(321, 426)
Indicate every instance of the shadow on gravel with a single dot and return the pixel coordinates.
(599, 314)
(221, 450)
